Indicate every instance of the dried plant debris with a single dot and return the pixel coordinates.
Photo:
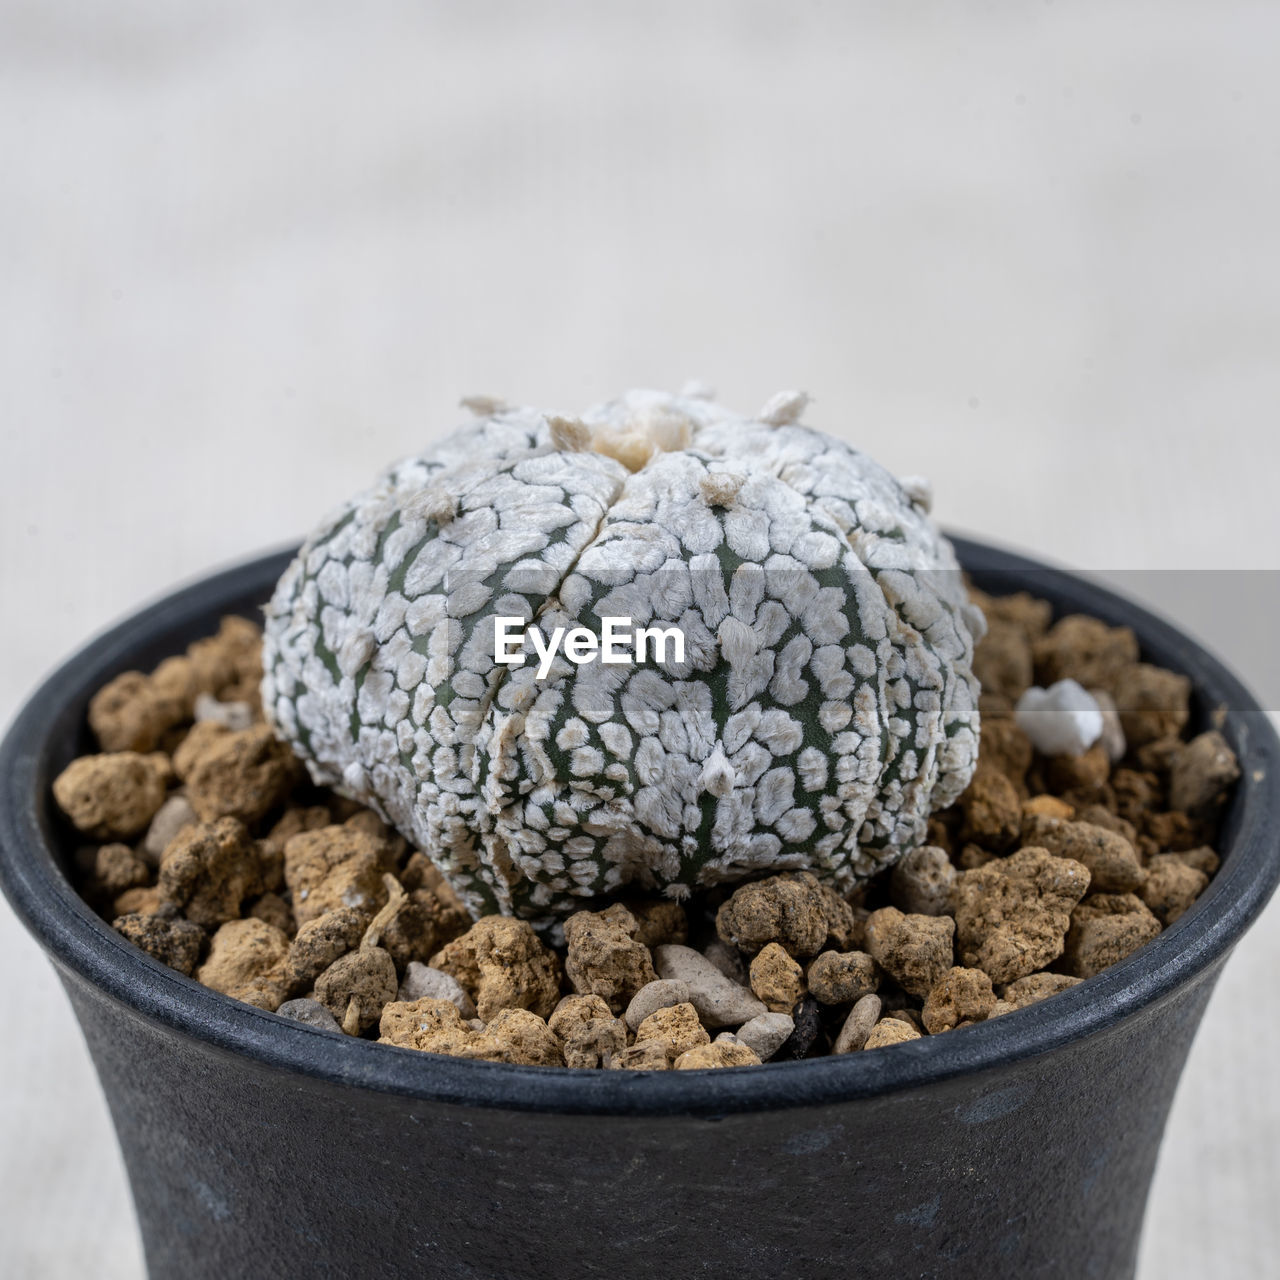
(212, 851)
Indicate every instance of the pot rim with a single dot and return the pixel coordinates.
(83, 945)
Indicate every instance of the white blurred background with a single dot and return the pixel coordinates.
(250, 253)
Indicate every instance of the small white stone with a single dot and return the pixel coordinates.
(767, 1033)
(857, 1026)
(719, 1002)
(728, 960)
(420, 982)
(173, 816)
(311, 1013)
(662, 994)
(1062, 720)
(235, 715)
(1113, 740)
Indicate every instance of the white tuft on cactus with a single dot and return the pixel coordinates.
(823, 706)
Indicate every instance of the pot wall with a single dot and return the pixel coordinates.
(1039, 1168)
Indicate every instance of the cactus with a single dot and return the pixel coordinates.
(824, 706)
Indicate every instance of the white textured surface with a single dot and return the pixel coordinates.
(1027, 250)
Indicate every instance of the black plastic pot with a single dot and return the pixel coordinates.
(260, 1147)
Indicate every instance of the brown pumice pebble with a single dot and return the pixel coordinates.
(1105, 928)
(1201, 772)
(790, 910)
(335, 866)
(116, 868)
(974, 916)
(1011, 916)
(841, 977)
(112, 797)
(776, 978)
(1081, 778)
(890, 1031)
(272, 908)
(503, 965)
(676, 1029)
(1007, 750)
(1086, 650)
(645, 1055)
(920, 883)
(1112, 862)
(992, 810)
(659, 921)
(430, 1026)
(245, 961)
(356, 987)
(589, 1031)
(1171, 887)
(241, 774)
(520, 1037)
(208, 871)
(175, 942)
(419, 928)
(320, 942)
(915, 950)
(1152, 703)
(1035, 987)
(604, 957)
(963, 995)
(721, 1054)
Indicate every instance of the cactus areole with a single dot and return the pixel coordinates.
(821, 703)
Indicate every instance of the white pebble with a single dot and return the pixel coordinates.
(857, 1026)
(729, 961)
(1113, 740)
(767, 1033)
(310, 1012)
(235, 715)
(719, 1002)
(420, 982)
(175, 814)
(662, 994)
(1062, 720)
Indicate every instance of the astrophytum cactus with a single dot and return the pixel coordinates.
(823, 704)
